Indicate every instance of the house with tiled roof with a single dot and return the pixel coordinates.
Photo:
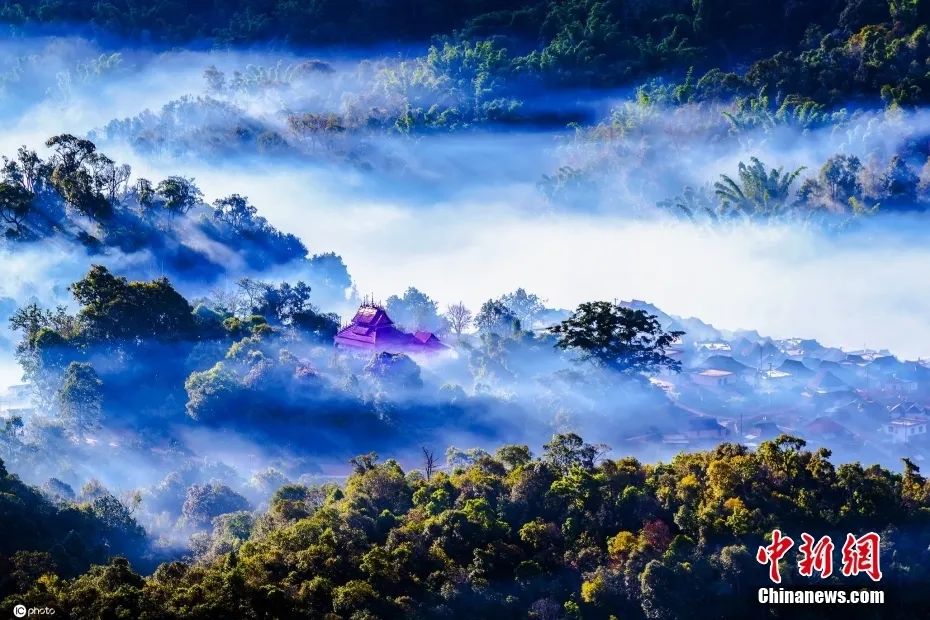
(906, 408)
(825, 382)
(712, 377)
(796, 369)
(372, 329)
(906, 429)
(727, 363)
(825, 428)
(705, 427)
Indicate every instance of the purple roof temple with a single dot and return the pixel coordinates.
(372, 329)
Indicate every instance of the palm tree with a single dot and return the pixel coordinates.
(758, 191)
(692, 204)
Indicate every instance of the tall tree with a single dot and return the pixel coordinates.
(236, 211)
(840, 175)
(115, 309)
(757, 191)
(179, 194)
(415, 311)
(80, 397)
(459, 317)
(72, 174)
(496, 318)
(15, 208)
(616, 337)
(525, 306)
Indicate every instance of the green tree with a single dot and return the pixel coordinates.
(179, 194)
(72, 174)
(840, 175)
(80, 397)
(204, 502)
(214, 394)
(415, 311)
(15, 209)
(568, 450)
(514, 455)
(756, 191)
(899, 183)
(526, 307)
(115, 310)
(618, 338)
(236, 211)
(496, 318)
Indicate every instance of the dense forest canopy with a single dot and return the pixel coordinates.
(750, 77)
(567, 535)
(800, 48)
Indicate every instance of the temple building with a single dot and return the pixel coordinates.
(373, 330)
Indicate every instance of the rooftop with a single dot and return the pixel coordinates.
(371, 328)
(776, 374)
(907, 422)
(713, 372)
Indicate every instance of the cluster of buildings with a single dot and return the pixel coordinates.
(743, 387)
(737, 386)
(747, 388)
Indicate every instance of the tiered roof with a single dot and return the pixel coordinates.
(372, 328)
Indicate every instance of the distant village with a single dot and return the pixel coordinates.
(733, 386)
(740, 386)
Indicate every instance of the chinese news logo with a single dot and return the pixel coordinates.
(859, 555)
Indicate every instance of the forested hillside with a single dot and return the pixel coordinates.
(568, 535)
(821, 51)
(56, 530)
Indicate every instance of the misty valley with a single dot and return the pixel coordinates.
(519, 309)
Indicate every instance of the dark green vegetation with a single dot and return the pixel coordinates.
(570, 535)
(843, 187)
(56, 530)
(802, 53)
(700, 80)
(618, 338)
(103, 358)
(82, 196)
(256, 358)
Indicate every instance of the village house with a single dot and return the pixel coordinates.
(761, 430)
(826, 429)
(906, 408)
(825, 382)
(898, 385)
(712, 377)
(726, 363)
(773, 379)
(860, 415)
(717, 346)
(701, 427)
(743, 349)
(905, 429)
(796, 369)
